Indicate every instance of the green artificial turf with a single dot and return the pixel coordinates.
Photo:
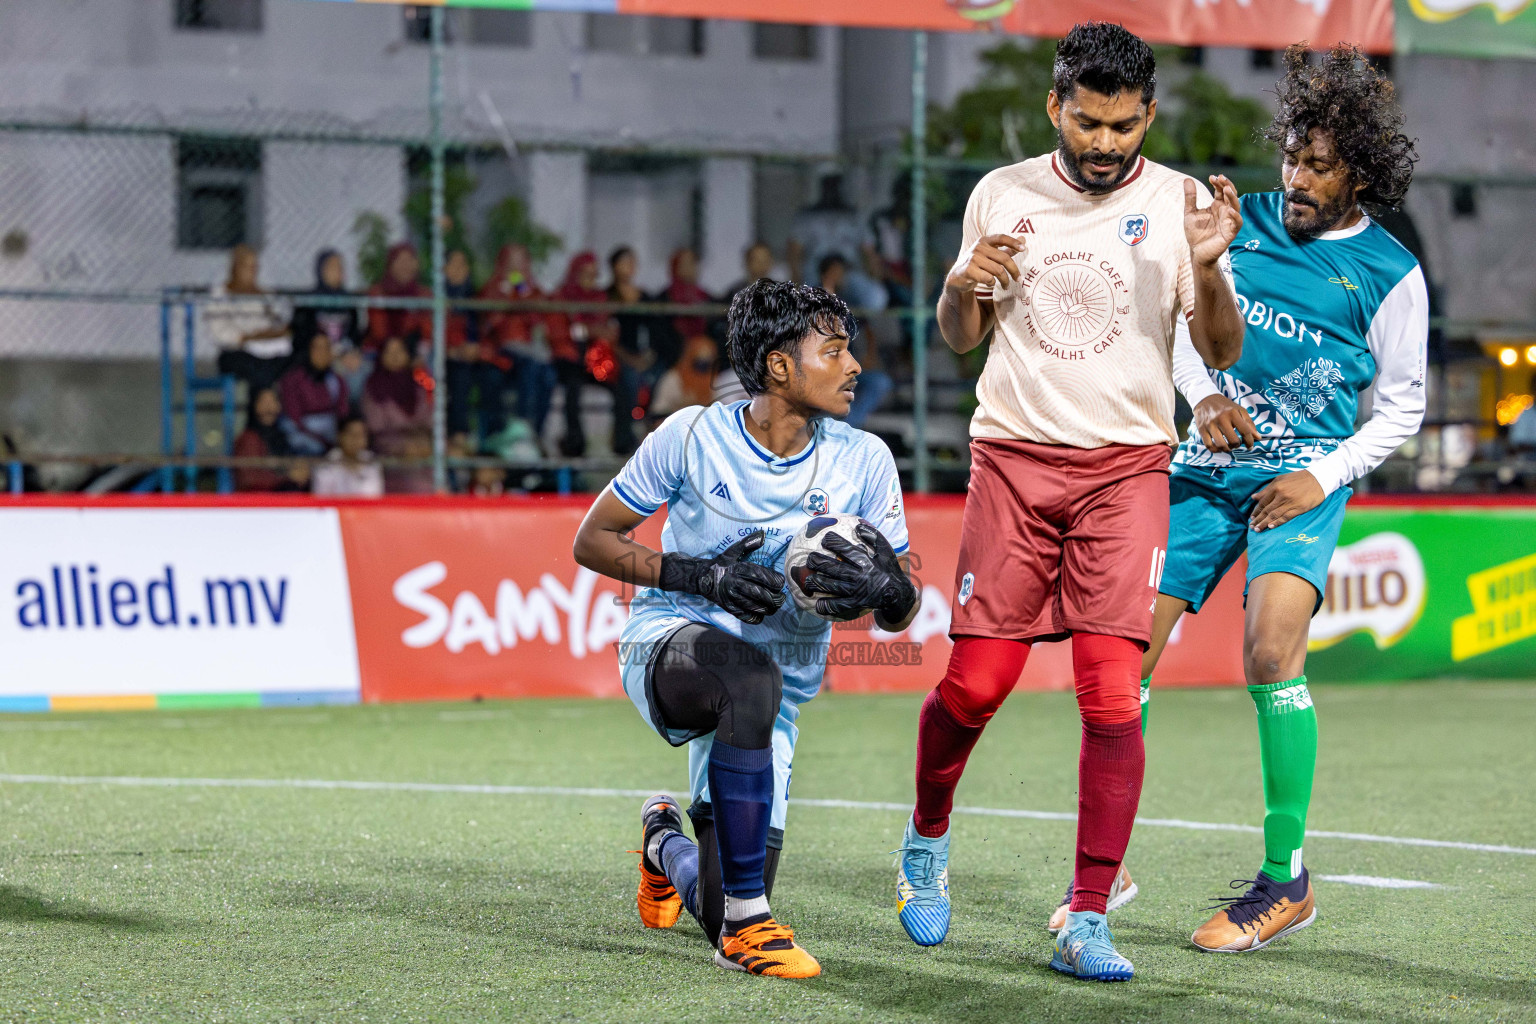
(289, 904)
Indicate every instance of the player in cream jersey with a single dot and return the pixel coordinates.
(1079, 264)
(1082, 353)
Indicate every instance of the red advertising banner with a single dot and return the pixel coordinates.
(459, 601)
(1257, 24)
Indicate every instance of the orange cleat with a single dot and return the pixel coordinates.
(1121, 892)
(767, 948)
(1269, 910)
(658, 901)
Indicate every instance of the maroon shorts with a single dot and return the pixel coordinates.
(1058, 540)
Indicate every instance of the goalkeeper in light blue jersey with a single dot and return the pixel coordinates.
(713, 656)
(1334, 306)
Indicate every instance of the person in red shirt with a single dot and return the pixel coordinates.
(263, 438)
(402, 267)
(582, 344)
(518, 342)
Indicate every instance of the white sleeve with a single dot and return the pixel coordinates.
(654, 474)
(1189, 372)
(1398, 337)
(881, 502)
(973, 226)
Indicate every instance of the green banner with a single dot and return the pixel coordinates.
(1417, 594)
(1467, 28)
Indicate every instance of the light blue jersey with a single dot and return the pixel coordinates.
(719, 485)
(1326, 317)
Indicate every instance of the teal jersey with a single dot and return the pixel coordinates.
(1326, 318)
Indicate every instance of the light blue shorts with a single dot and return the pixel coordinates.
(1208, 529)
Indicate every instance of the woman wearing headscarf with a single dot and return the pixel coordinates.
(315, 400)
(413, 326)
(582, 345)
(249, 326)
(398, 411)
(263, 438)
(690, 382)
(342, 324)
(682, 289)
(518, 342)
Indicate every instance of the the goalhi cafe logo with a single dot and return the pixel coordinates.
(1376, 586)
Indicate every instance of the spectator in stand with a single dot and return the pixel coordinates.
(263, 438)
(683, 290)
(520, 341)
(315, 400)
(249, 326)
(874, 384)
(758, 263)
(637, 361)
(690, 382)
(470, 372)
(398, 411)
(342, 324)
(582, 344)
(402, 269)
(350, 470)
(488, 482)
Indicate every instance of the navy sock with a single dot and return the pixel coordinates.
(680, 863)
(741, 792)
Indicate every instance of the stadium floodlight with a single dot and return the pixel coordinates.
(1508, 356)
(1530, 354)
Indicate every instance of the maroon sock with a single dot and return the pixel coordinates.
(1109, 771)
(943, 745)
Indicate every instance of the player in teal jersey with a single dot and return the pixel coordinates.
(1334, 305)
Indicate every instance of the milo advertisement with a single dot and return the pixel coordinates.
(1417, 593)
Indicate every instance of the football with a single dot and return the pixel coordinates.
(809, 540)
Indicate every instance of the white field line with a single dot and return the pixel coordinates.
(582, 791)
(1378, 883)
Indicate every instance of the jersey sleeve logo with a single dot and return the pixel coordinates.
(1133, 228)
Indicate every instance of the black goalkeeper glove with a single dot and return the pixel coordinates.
(749, 591)
(857, 581)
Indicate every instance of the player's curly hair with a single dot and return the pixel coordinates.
(1106, 58)
(775, 316)
(1349, 99)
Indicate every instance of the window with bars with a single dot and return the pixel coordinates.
(218, 193)
(471, 25)
(774, 41)
(219, 15)
(640, 36)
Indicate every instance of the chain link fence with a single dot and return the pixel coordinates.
(121, 298)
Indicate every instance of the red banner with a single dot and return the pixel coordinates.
(461, 601)
(1256, 24)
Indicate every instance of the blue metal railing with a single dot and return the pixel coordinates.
(191, 385)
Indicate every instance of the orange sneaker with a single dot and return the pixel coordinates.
(1121, 891)
(767, 948)
(1269, 910)
(658, 902)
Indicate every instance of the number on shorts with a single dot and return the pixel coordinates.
(1159, 556)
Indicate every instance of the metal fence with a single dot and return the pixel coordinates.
(116, 241)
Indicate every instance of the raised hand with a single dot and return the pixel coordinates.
(987, 264)
(1211, 230)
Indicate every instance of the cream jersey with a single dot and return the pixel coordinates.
(1083, 349)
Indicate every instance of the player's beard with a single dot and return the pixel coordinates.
(1072, 163)
(1324, 217)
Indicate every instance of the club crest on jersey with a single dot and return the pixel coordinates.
(1133, 228)
(967, 585)
(815, 503)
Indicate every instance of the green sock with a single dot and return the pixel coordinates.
(1288, 752)
(1146, 698)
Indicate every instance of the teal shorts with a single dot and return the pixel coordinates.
(1208, 529)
